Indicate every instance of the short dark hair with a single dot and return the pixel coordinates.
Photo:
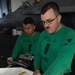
(50, 5)
(28, 20)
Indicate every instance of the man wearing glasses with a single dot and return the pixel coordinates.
(56, 45)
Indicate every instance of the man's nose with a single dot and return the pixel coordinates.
(46, 25)
(26, 31)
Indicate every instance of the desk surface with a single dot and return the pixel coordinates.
(15, 71)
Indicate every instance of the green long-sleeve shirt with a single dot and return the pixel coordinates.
(25, 44)
(55, 52)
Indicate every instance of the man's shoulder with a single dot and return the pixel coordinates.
(68, 28)
(22, 35)
(69, 32)
(38, 33)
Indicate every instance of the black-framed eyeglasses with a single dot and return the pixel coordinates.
(49, 21)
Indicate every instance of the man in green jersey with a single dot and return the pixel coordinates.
(56, 45)
(26, 43)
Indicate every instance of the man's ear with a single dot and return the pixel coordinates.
(59, 18)
(34, 27)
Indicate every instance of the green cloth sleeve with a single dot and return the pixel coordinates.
(38, 57)
(17, 48)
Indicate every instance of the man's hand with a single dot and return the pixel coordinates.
(37, 72)
(9, 60)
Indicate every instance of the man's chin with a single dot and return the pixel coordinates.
(50, 32)
(29, 34)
